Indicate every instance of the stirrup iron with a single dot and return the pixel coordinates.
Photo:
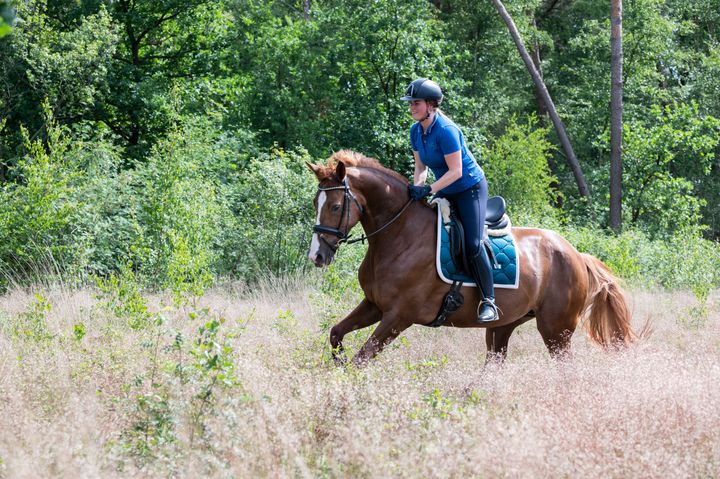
(493, 307)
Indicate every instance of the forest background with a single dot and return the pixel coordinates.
(167, 139)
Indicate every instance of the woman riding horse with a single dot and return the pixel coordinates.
(558, 287)
(438, 142)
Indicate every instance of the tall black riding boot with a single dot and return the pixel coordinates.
(481, 272)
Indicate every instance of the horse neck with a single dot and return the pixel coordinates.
(384, 196)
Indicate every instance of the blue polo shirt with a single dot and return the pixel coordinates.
(441, 138)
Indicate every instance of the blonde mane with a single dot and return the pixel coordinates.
(353, 158)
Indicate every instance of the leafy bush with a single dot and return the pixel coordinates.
(685, 260)
(274, 216)
(517, 169)
(666, 159)
(37, 209)
(180, 212)
(121, 295)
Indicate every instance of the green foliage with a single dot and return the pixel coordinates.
(274, 214)
(685, 260)
(285, 321)
(36, 213)
(121, 295)
(32, 324)
(180, 211)
(79, 331)
(153, 426)
(334, 80)
(621, 253)
(662, 164)
(7, 15)
(517, 169)
(68, 67)
(214, 369)
(178, 393)
(696, 316)
(173, 134)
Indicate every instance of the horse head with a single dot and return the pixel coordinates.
(338, 210)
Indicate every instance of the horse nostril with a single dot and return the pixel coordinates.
(319, 259)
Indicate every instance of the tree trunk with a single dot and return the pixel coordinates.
(537, 61)
(616, 115)
(306, 9)
(540, 85)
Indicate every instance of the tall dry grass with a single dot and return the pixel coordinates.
(426, 407)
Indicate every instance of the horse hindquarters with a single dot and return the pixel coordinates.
(608, 314)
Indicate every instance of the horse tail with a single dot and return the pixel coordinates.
(606, 309)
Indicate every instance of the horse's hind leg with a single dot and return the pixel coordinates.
(364, 315)
(556, 331)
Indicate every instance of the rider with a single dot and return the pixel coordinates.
(437, 142)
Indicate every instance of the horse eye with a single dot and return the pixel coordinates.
(335, 208)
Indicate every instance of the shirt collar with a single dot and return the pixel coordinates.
(430, 127)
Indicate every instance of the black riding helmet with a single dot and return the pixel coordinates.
(423, 89)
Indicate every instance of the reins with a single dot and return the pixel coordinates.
(345, 215)
(363, 237)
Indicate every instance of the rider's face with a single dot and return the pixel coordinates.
(419, 109)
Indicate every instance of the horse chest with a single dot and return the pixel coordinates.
(385, 280)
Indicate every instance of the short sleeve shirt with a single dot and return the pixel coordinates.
(441, 138)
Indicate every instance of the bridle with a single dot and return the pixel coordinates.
(348, 196)
(344, 215)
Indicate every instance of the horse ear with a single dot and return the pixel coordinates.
(340, 171)
(315, 169)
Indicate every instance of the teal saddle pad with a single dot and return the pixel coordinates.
(506, 276)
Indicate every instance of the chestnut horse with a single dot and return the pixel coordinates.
(558, 285)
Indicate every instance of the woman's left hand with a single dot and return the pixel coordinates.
(418, 192)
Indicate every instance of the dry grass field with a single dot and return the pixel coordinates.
(83, 394)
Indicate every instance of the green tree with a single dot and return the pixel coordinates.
(333, 80)
(7, 15)
(669, 158)
(517, 169)
(66, 67)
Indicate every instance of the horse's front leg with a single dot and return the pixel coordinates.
(364, 315)
(389, 328)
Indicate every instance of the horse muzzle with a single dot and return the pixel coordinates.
(321, 259)
(322, 251)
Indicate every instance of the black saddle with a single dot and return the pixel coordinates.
(495, 216)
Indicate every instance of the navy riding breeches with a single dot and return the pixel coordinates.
(471, 206)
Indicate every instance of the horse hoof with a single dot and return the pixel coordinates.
(340, 360)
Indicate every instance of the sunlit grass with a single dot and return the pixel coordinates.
(426, 407)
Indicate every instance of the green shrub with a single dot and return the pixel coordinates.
(667, 161)
(685, 260)
(37, 209)
(516, 165)
(273, 204)
(181, 213)
(121, 295)
(32, 324)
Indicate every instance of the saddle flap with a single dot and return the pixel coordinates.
(457, 243)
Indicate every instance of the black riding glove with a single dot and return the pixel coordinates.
(418, 192)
